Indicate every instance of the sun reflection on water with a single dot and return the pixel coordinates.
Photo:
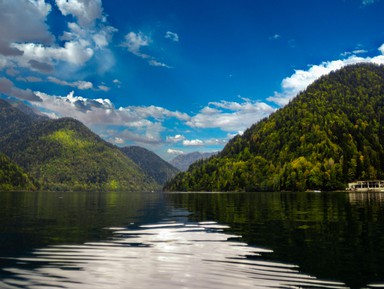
(163, 255)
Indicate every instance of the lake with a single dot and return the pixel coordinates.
(191, 240)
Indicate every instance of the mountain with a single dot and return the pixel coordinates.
(64, 154)
(28, 110)
(329, 135)
(182, 162)
(154, 166)
(12, 177)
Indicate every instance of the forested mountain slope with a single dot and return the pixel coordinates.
(64, 154)
(12, 176)
(328, 135)
(154, 166)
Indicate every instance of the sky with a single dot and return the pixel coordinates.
(177, 76)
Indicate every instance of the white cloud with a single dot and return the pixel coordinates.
(86, 11)
(103, 88)
(74, 52)
(230, 116)
(354, 52)
(216, 141)
(31, 45)
(194, 142)
(118, 140)
(23, 21)
(154, 62)
(103, 37)
(159, 113)
(299, 81)
(135, 42)
(381, 48)
(176, 138)
(172, 36)
(80, 84)
(136, 123)
(175, 152)
(149, 135)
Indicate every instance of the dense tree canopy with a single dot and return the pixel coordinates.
(328, 135)
(64, 154)
(154, 166)
(12, 177)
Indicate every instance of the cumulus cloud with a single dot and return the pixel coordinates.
(135, 123)
(32, 28)
(74, 52)
(150, 135)
(7, 87)
(118, 140)
(99, 36)
(172, 36)
(176, 138)
(31, 45)
(230, 116)
(85, 11)
(135, 42)
(175, 152)
(194, 142)
(299, 81)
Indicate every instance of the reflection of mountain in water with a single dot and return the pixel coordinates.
(325, 234)
(163, 255)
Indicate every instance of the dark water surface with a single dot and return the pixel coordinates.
(191, 240)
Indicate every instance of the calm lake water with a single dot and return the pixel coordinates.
(191, 240)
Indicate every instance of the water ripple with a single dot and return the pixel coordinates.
(164, 255)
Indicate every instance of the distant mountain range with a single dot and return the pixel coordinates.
(64, 154)
(182, 162)
(150, 163)
(330, 134)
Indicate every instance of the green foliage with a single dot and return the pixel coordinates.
(12, 177)
(151, 164)
(64, 154)
(328, 135)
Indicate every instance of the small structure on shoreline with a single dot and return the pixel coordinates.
(366, 186)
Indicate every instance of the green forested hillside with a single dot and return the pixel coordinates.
(328, 135)
(64, 154)
(151, 164)
(12, 176)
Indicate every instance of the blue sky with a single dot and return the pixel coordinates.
(177, 76)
